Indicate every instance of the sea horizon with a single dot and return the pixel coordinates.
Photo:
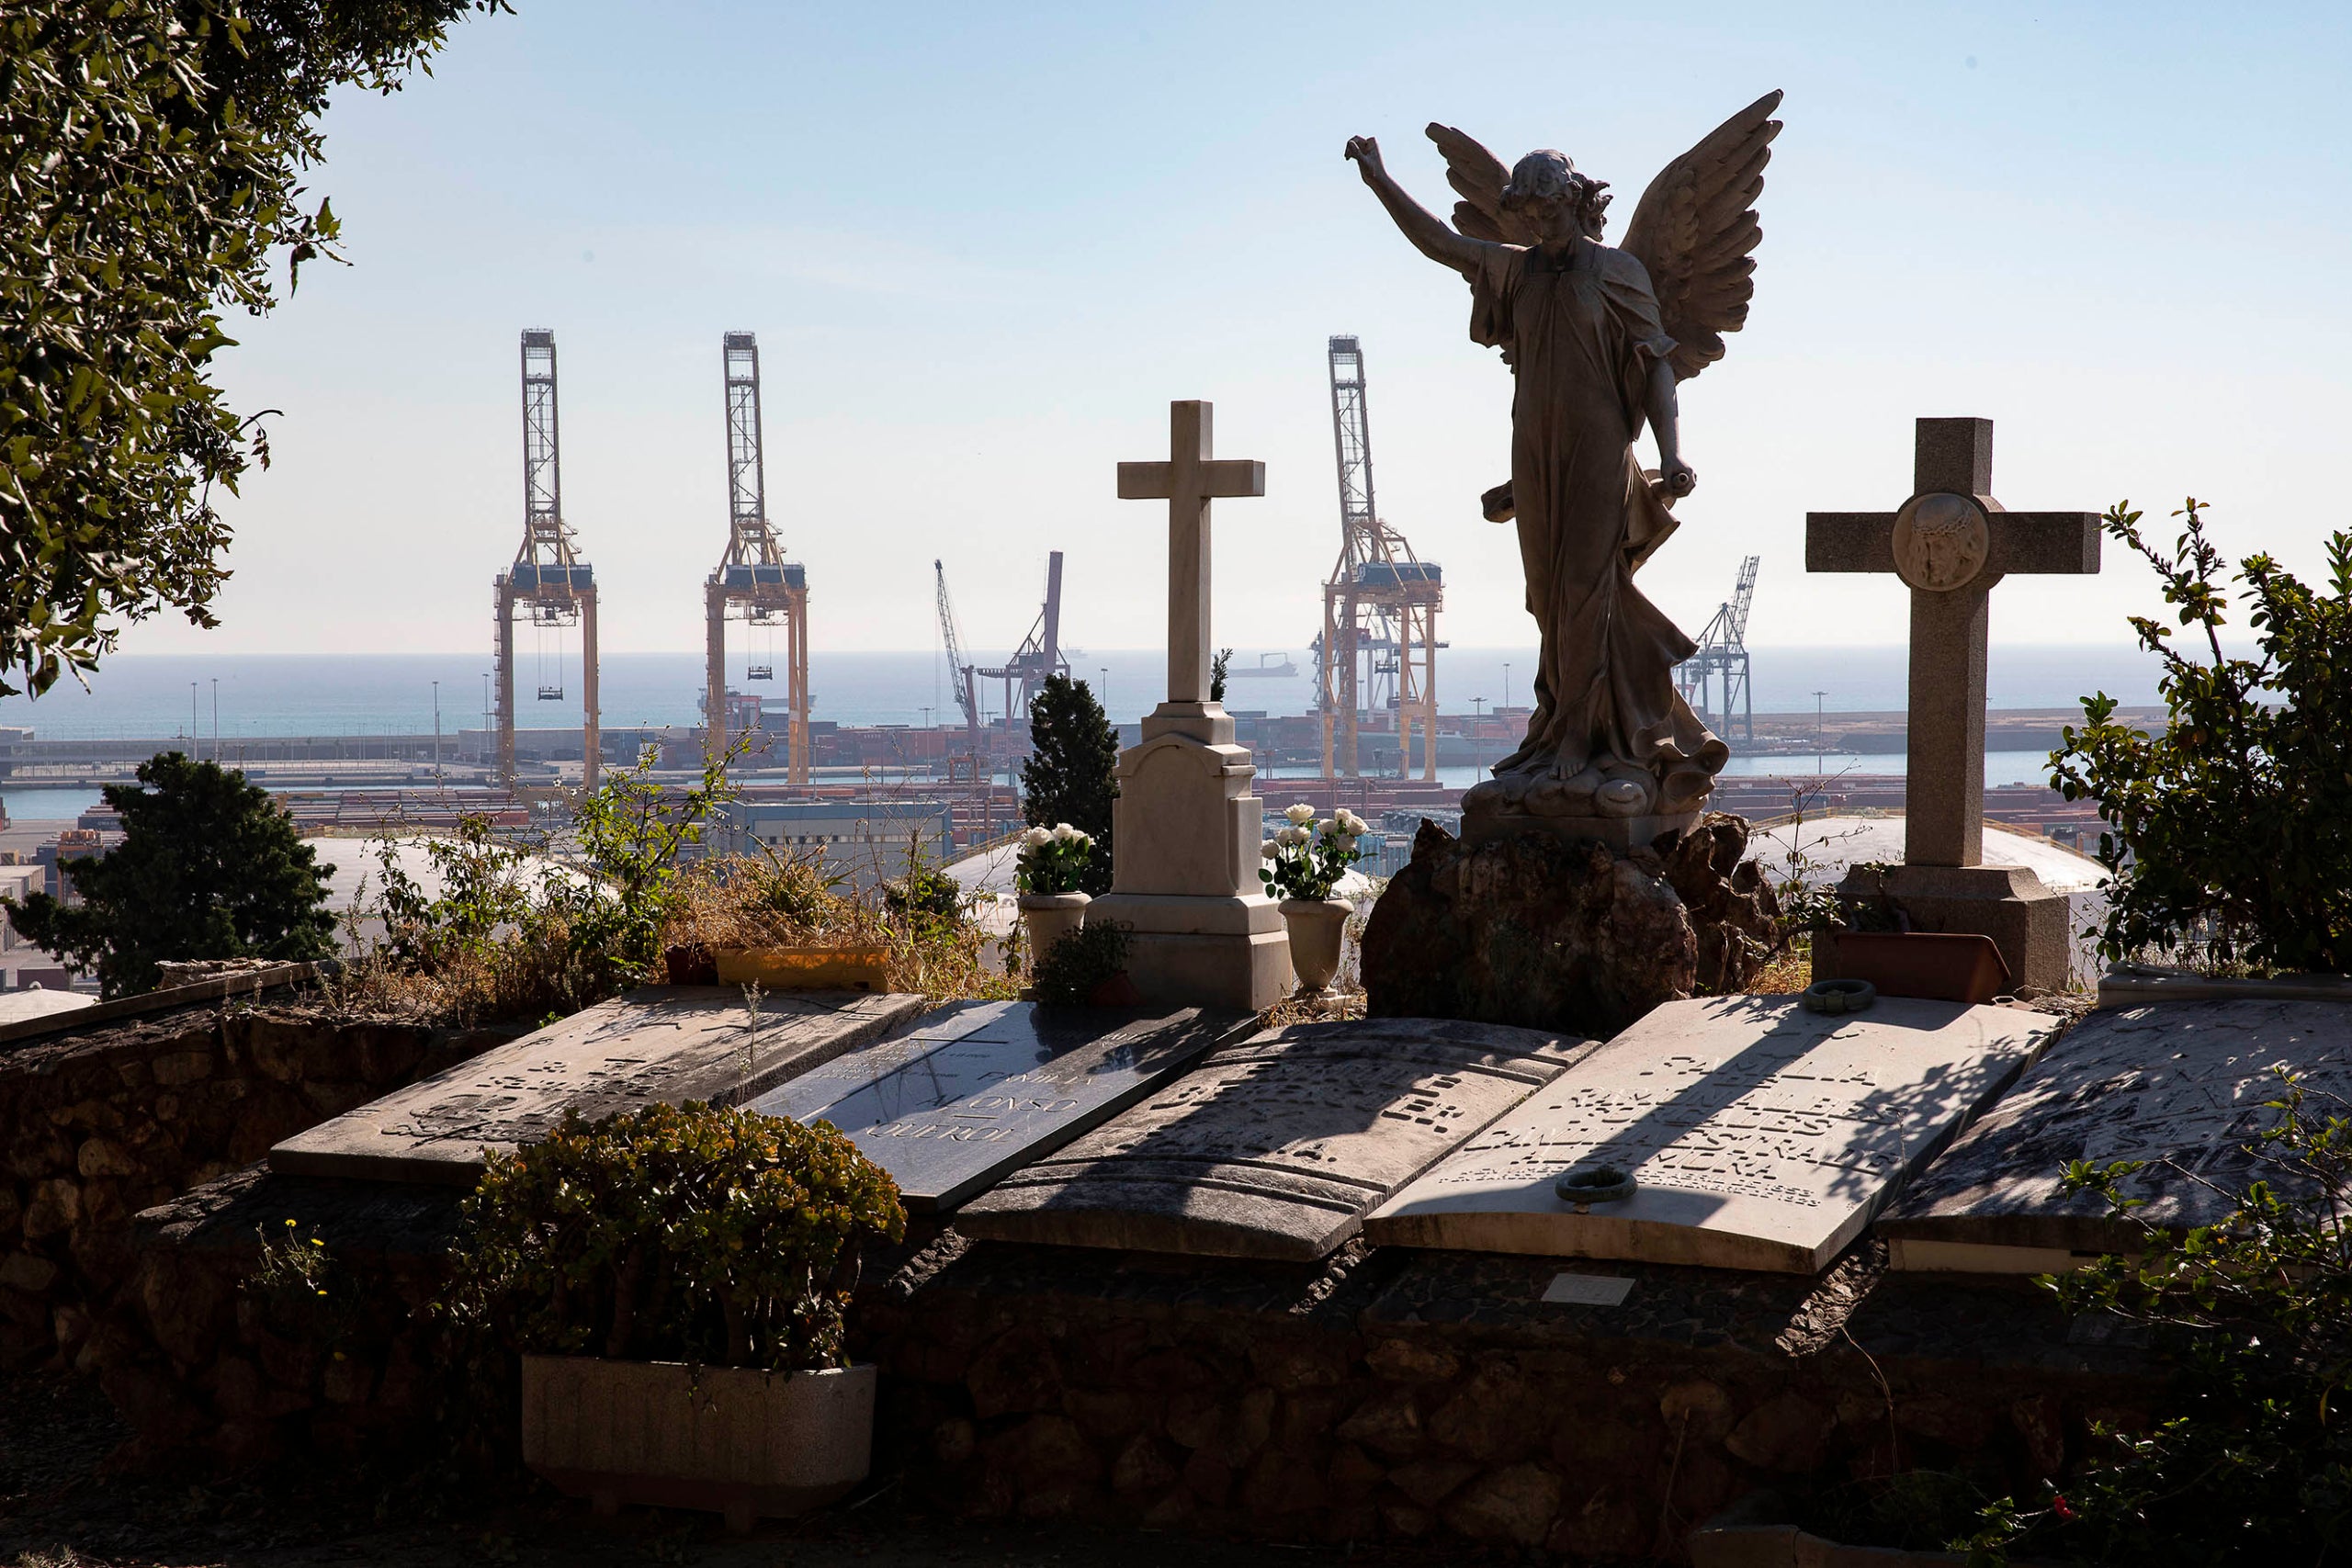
(169, 696)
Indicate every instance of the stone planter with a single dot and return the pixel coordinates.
(734, 1441)
(1051, 916)
(1752, 1534)
(1318, 927)
(861, 966)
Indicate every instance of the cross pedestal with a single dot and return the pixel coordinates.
(1951, 543)
(1186, 830)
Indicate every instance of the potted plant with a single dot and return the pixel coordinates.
(1051, 868)
(1304, 862)
(675, 1279)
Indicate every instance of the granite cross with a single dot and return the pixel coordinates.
(1950, 542)
(1188, 481)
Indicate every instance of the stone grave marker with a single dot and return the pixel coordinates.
(1950, 544)
(1184, 882)
(1759, 1135)
(980, 1088)
(667, 1044)
(1275, 1147)
(2186, 1082)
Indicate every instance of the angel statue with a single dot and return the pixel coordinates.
(1597, 338)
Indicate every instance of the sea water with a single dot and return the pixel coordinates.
(181, 697)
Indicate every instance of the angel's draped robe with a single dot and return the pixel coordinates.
(1581, 339)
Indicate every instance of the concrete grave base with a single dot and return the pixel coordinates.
(2008, 903)
(1202, 951)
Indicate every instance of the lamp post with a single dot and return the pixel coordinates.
(1816, 732)
(216, 718)
(436, 735)
(1506, 701)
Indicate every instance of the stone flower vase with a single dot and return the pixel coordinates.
(1317, 929)
(1051, 916)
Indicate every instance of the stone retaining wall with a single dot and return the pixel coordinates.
(1385, 1394)
(99, 1122)
(1438, 1395)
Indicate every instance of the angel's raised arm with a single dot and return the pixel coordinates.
(1424, 229)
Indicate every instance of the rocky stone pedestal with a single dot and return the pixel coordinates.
(1546, 932)
(1184, 875)
(2008, 903)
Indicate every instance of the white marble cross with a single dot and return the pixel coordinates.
(1188, 481)
(1950, 542)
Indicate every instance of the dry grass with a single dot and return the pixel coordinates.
(1784, 975)
(1342, 1004)
(777, 901)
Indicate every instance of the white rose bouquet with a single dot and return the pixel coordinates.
(1054, 860)
(1307, 859)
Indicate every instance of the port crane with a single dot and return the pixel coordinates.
(753, 582)
(547, 580)
(1722, 656)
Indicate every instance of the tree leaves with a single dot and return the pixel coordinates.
(2231, 830)
(1070, 777)
(209, 867)
(149, 155)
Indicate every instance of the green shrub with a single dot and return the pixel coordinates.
(674, 1233)
(209, 866)
(1070, 776)
(2255, 1464)
(2230, 837)
(1068, 972)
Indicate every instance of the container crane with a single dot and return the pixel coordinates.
(1041, 651)
(1380, 606)
(547, 577)
(1723, 654)
(754, 583)
(967, 695)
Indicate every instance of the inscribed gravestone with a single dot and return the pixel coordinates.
(2182, 1082)
(667, 1044)
(1759, 1135)
(980, 1088)
(1276, 1148)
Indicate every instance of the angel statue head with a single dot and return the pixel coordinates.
(1546, 188)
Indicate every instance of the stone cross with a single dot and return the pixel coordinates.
(1188, 481)
(1950, 542)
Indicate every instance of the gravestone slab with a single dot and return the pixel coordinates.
(666, 1043)
(1276, 1148)
(1759, 1135)
(2186, 1082)
(981, 1088)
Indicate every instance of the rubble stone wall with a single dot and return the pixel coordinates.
(97, 1124)
(1384, 1395)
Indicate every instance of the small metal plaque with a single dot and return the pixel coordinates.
(1588, 1289)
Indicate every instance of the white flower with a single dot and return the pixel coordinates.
(1270, 850)
(1036, 839)
(1322, 828)
(1293, 836)
(1301, 814)
(1065, 834)
(1350, 823)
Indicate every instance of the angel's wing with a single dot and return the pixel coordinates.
(1478, 177)
(1695, 229)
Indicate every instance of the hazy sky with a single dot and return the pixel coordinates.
(983, 246)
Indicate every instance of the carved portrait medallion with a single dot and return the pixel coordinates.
(1941, 541)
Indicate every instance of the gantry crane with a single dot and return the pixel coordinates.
(548, 576)
(1041, 651)
(1380, 606)
(966, 694)
(753, 582)
(1722, 653)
